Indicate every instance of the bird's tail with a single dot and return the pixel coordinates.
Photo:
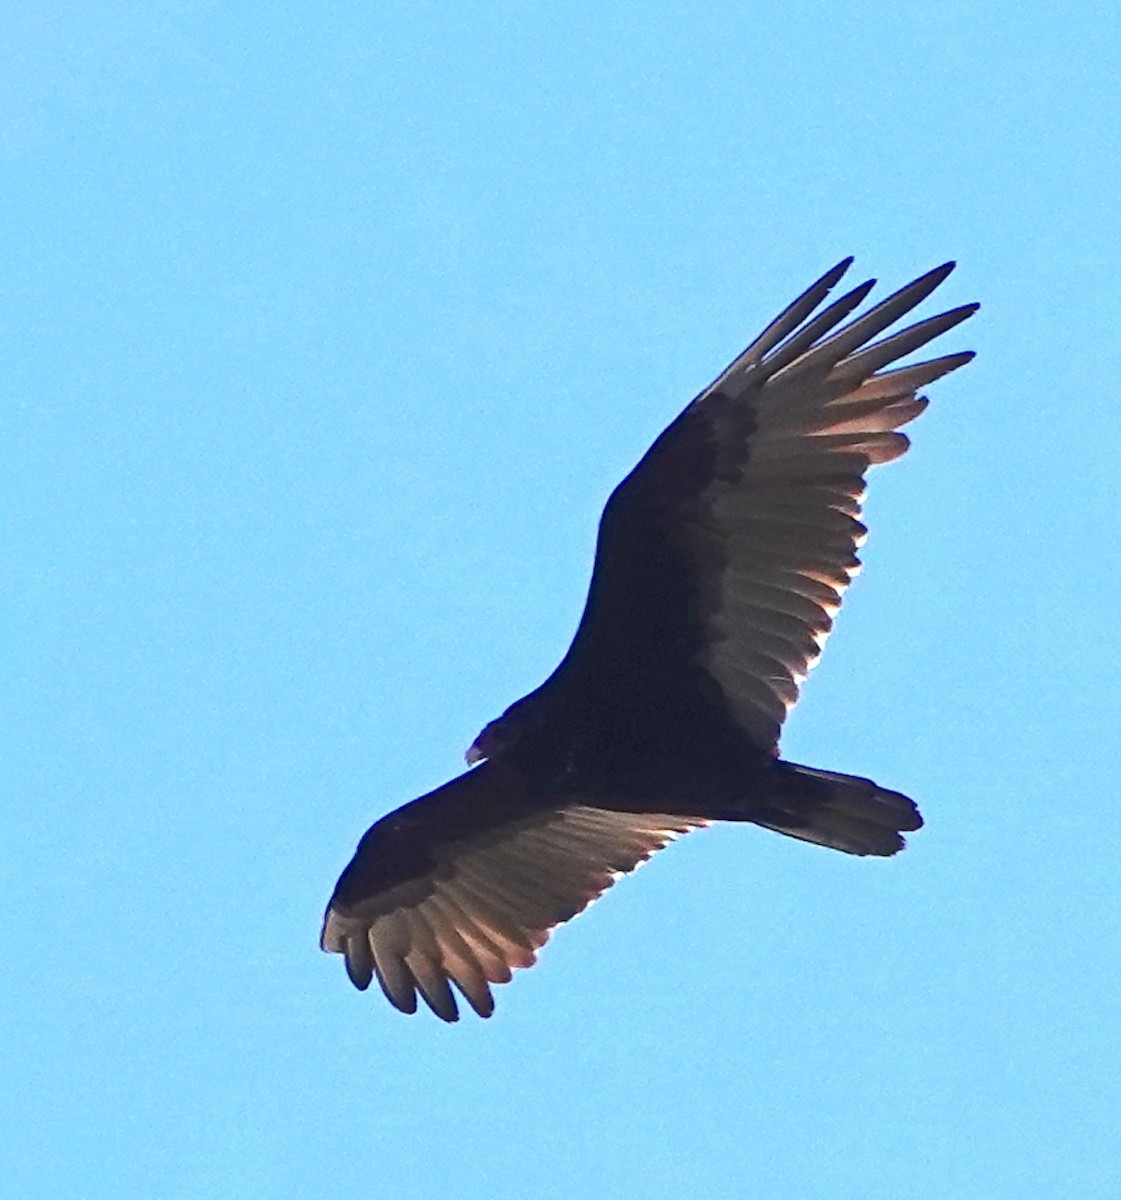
(843, 812)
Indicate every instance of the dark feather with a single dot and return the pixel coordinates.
(721, 562)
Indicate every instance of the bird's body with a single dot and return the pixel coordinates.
(720, 564)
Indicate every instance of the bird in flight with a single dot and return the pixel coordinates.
(719, 568)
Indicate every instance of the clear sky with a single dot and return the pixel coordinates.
(326, 331)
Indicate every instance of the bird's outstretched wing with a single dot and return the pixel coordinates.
(722, 558)
(464, 885)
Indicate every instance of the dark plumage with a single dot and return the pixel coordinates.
(721, 562)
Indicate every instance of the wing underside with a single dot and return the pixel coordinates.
(485, 900)
(731, 544)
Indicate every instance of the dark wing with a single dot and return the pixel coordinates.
(464, 885)
(722, 558)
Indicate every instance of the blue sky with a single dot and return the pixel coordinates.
(326, 332)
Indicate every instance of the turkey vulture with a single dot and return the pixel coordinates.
(720, 564)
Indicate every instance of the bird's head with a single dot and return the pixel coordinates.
(507, 730)
(489, 744)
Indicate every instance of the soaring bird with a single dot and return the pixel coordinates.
(719, 568)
